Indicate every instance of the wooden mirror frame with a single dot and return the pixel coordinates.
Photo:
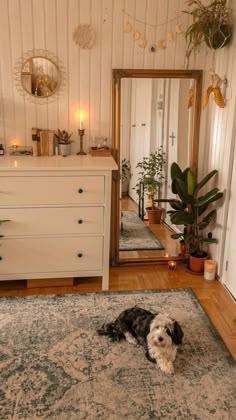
(117, 75)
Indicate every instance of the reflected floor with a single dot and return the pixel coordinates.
(161, 231)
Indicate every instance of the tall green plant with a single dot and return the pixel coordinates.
(151, 174)
(190, 210)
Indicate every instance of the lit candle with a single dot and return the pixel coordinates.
(209, 270)
(81, 122)
(172, 265)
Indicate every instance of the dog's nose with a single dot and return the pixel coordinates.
(160, 339)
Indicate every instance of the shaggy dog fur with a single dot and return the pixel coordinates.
(158, 333)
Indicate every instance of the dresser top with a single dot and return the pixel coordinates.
(68, 163)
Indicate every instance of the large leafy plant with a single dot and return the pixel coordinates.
(190, 209)
(151, 174)
(211, 23)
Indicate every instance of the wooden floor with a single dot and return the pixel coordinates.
(213, 297)
(161, 231)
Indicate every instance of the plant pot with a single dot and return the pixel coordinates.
(183, 248)
(154, 215)
(196, 263)
(125, 186)
(64, 149)
(220, 38)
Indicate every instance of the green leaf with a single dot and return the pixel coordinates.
(176, 235)
(191, 182)
(178, 205)
(201, 209)
(175, 171)
(206, 179)
(208, 198)
(207, 219)
(182, 191)
(182, 218)
(209, 240)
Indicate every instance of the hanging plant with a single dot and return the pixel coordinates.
(211, 25)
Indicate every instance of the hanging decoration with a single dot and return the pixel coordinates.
(128, 27)
(215, 88)
(133, 25)
(84, 36)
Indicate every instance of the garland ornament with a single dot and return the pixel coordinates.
(140, 35)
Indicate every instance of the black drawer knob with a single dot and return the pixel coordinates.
(0, 258)
(80, 255)
(80, 191)
(80, 221)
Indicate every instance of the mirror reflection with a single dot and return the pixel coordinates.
(155, 130)
(40, 76)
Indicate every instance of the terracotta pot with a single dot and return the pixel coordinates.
(154, 215)
(183, 248)
(196, 264)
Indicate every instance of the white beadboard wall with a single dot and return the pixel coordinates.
(49, 24)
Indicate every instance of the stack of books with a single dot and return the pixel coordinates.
(43, 142)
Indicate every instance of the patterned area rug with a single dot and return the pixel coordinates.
(135, 235)
(54, 365)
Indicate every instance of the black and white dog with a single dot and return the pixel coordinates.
(158, 333)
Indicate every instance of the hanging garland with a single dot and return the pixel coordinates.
(139, 36)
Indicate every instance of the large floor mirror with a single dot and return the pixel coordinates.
(153, 110)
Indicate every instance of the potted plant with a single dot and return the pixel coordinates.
(125, 175)
(64, 142)
(151, 176)
(190, 211)
(211, 24)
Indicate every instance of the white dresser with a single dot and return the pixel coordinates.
(59, 210)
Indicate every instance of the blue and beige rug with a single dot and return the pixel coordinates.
(54, 366)
(135, 234)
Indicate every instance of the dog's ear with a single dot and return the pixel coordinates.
(177, 333)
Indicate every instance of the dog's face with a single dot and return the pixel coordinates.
(164, 332)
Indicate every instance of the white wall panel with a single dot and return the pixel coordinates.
(128, 43)
(106, 63)
(51, 30)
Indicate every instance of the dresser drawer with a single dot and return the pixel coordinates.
(49, 190)
(52, 221)
(45, 255)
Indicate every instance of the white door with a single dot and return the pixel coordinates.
(228, 277)
(141, 97)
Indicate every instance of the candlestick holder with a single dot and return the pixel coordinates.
(81, 135)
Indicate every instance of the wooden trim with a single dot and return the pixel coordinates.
(117, 75)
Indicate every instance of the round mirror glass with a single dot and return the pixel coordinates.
(40, 77)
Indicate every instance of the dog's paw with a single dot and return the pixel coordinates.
(167, 368)
(130, 338)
